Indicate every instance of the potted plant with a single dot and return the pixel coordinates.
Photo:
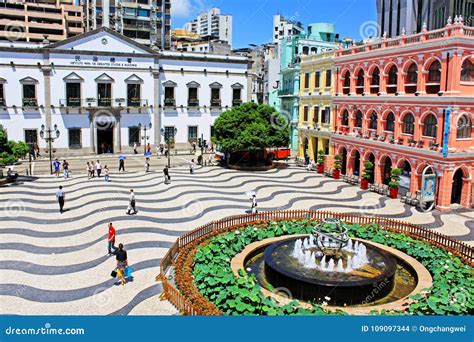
(337, 166)
(320, 161)
(394, 182)
(366, 175)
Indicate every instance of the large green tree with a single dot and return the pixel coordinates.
(251, 127)
(10, 151)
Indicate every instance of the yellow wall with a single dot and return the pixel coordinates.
(316, 96)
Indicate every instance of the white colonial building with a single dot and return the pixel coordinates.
(101, 90)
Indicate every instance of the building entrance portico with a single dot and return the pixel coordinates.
(105, 130)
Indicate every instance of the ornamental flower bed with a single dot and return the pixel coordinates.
(204, 275)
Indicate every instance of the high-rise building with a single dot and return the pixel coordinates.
(35, 21)
(147, 22)
(283, 28)
(212, 25)
(396, 15)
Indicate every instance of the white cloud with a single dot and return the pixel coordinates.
(181, 8)
(186, 8)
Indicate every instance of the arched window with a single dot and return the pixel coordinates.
(345, 118)
(434, 78)
(373, 121)
(464, 128)
(392, 80)
(429, 127)
(390, 122)
(347, 83)
(408, 124)
(412, 79)
(358, 119)
(467, 71)
(360, 82)
(375, 83)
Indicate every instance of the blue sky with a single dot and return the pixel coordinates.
(253, 19)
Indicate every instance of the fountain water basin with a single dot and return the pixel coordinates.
(340, 274)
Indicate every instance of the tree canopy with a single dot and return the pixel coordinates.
(251, 127)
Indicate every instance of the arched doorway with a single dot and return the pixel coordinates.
(456, 192)
(344, 161)
(305, 149)
(386, 170)
(371, 158)
(405, 177)
(356, 169)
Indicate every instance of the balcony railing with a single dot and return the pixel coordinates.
(193, 103)
(450, 30)
(74, 102)
(236, 102)
(215, 103)
(170, 102)
(285, 92)
(30, 102)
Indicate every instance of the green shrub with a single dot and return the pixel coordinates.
(18, 149)
(6, 159)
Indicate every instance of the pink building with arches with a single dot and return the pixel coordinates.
(391, 103)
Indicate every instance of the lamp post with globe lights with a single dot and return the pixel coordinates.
(168, 140)
(47, 135)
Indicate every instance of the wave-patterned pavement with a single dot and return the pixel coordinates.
(57, 264)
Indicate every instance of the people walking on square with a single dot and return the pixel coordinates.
(66, 169)
(122, 263)
(131, 204)
(158, 151)
(147, 165)
(106, 173)
(121, 165)
(93, 168)
(194, 147)
(32, 152)
(60, 195)
(191, 166)
(98, 167)
(148, 147)
(135, 148)
(56, 166)
(111, 240)
(88, 170)
(37, 151)
(167, 175)
(254, 203)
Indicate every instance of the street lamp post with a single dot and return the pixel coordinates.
(145, 137)
(47, 135)
(168, 143)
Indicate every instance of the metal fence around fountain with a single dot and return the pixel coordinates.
(172, 294)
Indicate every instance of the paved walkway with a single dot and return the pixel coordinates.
(56, 264)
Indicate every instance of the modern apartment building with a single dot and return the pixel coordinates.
(35, 21)
(407, 102)
(283, 28)
(183, 40)
(394, 16)
(147, 22)
(212, 25)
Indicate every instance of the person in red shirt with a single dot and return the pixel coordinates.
(111, 239)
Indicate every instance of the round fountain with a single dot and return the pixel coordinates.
(329, 266)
